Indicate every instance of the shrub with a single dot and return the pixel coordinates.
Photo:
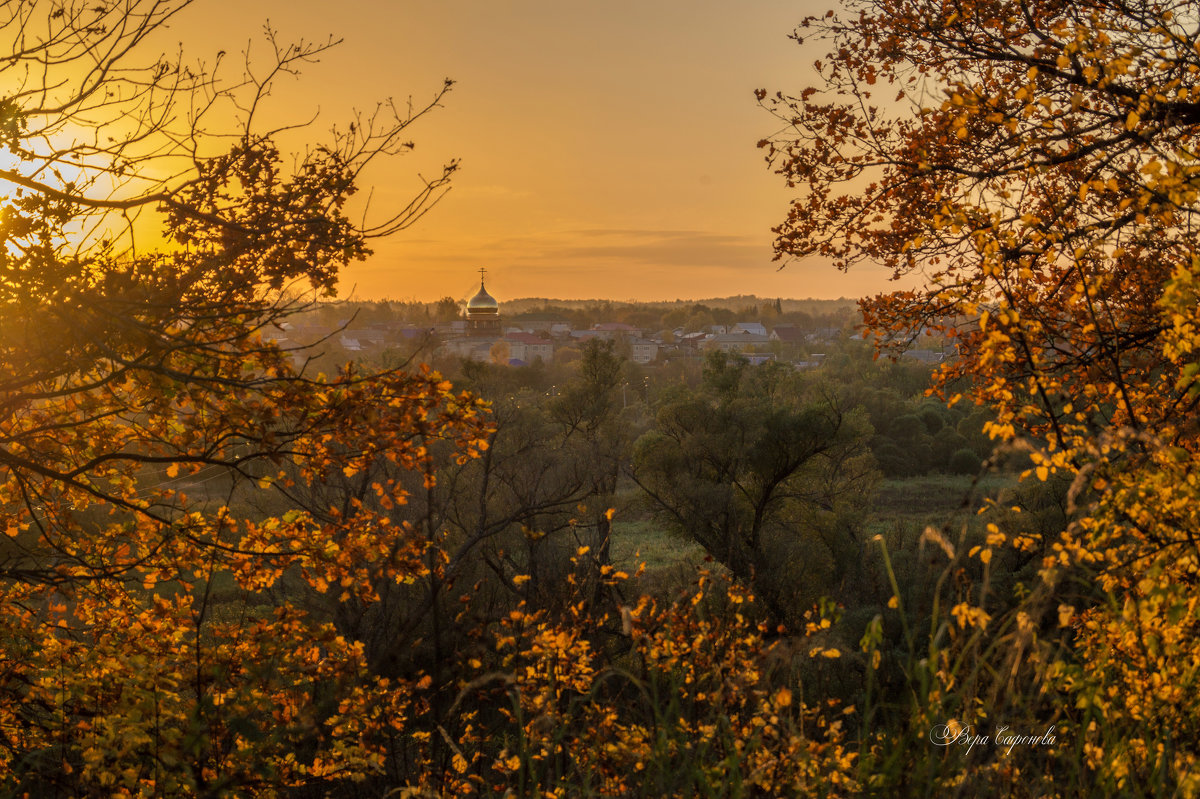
(965, 461)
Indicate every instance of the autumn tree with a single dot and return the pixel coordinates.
(152, 230)
(1033, 167)
(497, 532)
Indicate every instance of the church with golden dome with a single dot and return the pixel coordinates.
(481, 335)
(483, 313)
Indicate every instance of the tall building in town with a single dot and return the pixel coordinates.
(483, 313)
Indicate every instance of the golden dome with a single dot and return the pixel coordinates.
(483, 303)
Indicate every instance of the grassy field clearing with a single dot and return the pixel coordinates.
(910, 503)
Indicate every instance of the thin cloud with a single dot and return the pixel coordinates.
(630, 246)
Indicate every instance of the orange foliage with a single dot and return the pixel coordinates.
(683, 697)
(125, 668)
(153, 642)
(1036, 164)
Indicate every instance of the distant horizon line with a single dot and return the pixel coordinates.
(676, 301)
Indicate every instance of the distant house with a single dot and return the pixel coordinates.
(409, 332)
(788, 334)
(643, 350)
(366, 337)
(529, 348)
(612, 330)
(475, 349)
(304, 334)
(737, 342)
(755, 328)
(825, 334)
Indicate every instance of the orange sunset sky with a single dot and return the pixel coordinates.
(607, 148)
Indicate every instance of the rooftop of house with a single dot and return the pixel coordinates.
(789, 334)
(526, 338)
(744, 337)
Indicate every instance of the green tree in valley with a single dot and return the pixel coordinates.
(767, 473)
(589, 408)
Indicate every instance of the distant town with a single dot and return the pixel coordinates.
(526, 331)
